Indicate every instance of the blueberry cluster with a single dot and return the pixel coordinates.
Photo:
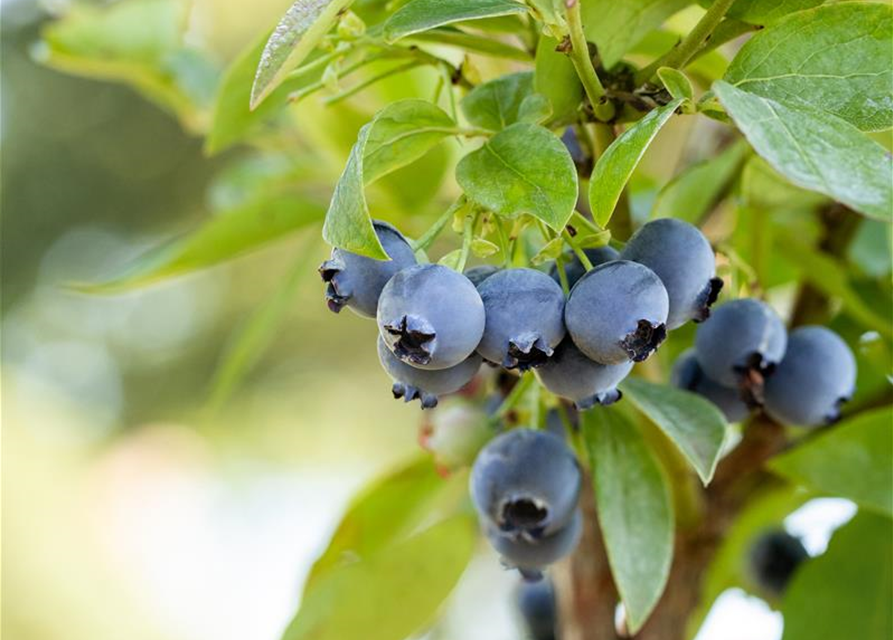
(436, 325)
(744, 359)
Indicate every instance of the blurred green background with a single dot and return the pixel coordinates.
(147, 492)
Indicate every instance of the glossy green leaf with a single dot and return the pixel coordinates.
(845, 592)
(225, 236)
(635, 512)
(495, 105)
(297, 34)
(393, 593)
(614, 168)
(386, 510)
(694, 192)
(556, 78)
(676, 83)
(835, 58)
(535, 109)
(815, 150)
(765, 12)
(422, 15)
(139, 44)
(851, 460)
(830, 276)
(398, 134)
(523, 169)
(232, 118)
(617, 26)
(694, 424)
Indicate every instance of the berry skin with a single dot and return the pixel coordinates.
(815, 377)
(687, 374)
(774, 558)
(536, 603)
(570, 374)
(530, 557)
(682, 258)
(574, 269)
(426, 385)
(430, 316)
(525, 318)
(480, 273)
(617, 312)
(740, 345)
(356, 281)
(526, 483)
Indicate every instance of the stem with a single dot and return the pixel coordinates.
(513, 397)
(579, 55)
(604, 136)
(562, 274)
(503, 244)
(583, 221)
(467, 237)
(581, 255)
(321, 61)
(381, 76)
(425, 240)
(679, 56)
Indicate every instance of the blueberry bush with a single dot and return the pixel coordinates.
(632, 258)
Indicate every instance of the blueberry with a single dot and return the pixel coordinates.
(574, 269)
(536, 604)
(774, 558)
(687, 374)
(480, 273)
(356, 281)
(617, 312)
(740, 345)
(815, 377)
(682, 258)
(570, 374)
(526, 483)
(525, 318)
(572, 144)
(531, 556)
(426, 385)
(430, 316)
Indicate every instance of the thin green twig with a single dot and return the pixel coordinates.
(579, 55)
(581, 255)
(426, 239)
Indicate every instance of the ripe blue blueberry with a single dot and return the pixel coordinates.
(740, 345)
(536, 604)
(687, 374)
(356, 281)
(617, 312)
(570, 374)
(815, 377)
(682, 258)
(425, 384)
(480, 273)
(531, 556)
(525, 318)
(574, 269)
(430, 316)
(526, 483)
(774, 558)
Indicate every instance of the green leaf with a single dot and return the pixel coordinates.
(614, 168)
(834, 58)
(232, 118)
(830, 276)
(483, 248)
(471, 43)
(556, 78)
(676, 82)
(694, 192)
(765, 12)
(694, 424)
(401, 133)
(225, 236)
(523, 169)
(617, 26)
(635, 512)
(535, 109)
(139, 44)
(851, 460)
(386, 510)
(495, 105)
(297, 34)
(398, 134)
(550, 251)
(845, 592)
(392, 594)
(451, 259)
(422, 15)
(815, 150)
